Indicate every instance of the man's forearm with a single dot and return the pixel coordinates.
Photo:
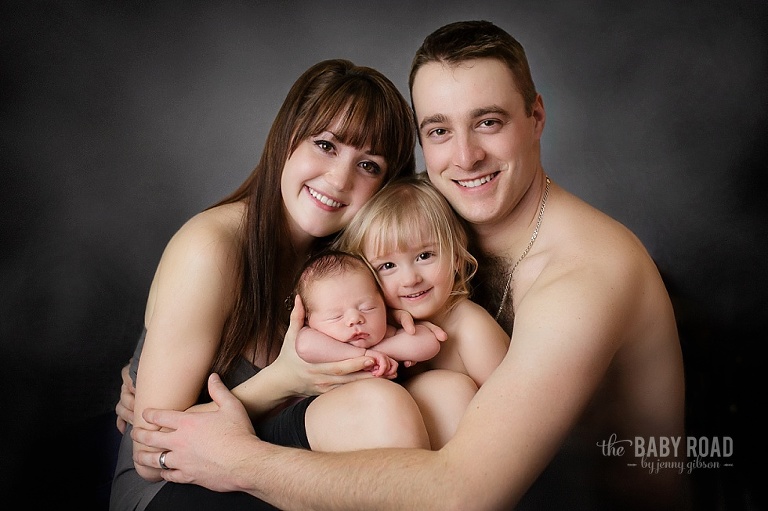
(392, 479)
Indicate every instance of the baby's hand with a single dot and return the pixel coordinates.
(392, 373)
(384, 365)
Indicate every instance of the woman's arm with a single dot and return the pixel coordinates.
(190, 298)
(290, 375)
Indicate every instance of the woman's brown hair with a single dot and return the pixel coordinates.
(370, 112)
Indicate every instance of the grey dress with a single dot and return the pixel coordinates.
(129, 490)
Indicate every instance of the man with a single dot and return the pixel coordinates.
(594, 369)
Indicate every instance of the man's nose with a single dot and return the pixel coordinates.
(467, 151)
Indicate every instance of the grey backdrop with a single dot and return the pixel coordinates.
(122, 119)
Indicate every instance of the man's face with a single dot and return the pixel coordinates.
(480, 148)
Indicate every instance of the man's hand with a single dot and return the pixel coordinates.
(200, 447)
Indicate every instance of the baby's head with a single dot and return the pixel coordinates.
(342, 298)
(407, 214)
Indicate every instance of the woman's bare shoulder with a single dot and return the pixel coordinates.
(212, 235)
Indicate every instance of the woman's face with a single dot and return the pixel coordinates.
(325, 182)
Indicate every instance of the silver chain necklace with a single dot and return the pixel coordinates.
(527, 249)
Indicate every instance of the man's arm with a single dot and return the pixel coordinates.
(512, 428)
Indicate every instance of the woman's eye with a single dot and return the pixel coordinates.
(371, 167)
(438, 132)
(324, 145)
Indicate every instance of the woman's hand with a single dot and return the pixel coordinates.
(305, 379)
(124, 407)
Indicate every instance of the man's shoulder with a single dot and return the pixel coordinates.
(586, 238)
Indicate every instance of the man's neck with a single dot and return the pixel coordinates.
(508, 237)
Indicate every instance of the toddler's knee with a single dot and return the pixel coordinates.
(392, 416)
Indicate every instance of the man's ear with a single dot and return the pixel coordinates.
(539, 115)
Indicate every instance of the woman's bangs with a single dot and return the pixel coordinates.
(359, 123)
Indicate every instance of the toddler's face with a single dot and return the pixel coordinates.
(417, 279)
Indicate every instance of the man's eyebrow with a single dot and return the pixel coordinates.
(432, 119)
(493, 109)
(474, 114)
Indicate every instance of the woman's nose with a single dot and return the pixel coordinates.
(339, 175)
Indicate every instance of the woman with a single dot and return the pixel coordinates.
(217, 300)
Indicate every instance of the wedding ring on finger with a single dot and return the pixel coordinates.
(162, 460)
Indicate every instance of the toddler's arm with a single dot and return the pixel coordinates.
(417, 347)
